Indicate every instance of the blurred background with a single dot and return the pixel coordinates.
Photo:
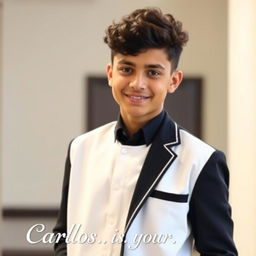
(49, 50)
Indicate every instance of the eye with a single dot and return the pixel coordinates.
(154, 73)
(125, 70)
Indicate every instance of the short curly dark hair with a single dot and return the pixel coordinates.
(144, 29)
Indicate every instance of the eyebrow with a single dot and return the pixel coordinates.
(129, 63)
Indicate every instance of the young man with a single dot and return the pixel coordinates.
(143, 186)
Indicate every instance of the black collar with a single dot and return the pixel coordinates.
(145, 135)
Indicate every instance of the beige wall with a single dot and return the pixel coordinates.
(242, 121)
(49, 49)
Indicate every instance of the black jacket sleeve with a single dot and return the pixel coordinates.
(60, 247)
(210, 212)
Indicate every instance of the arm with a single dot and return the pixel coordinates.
(210, 212)
(60, 248)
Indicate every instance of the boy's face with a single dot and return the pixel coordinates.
(140, 83)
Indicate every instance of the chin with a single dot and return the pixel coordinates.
(138, 114)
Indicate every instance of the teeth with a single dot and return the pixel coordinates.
(137, 97)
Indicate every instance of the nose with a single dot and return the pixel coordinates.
(138, 82)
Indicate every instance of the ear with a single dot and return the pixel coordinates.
(176, 79)
(109, 73)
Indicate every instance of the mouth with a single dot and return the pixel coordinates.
(137, 98)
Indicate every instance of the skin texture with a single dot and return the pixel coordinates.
(140, 84)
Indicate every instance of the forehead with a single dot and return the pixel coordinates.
(145, 58)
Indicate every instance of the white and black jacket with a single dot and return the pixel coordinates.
(182, 190)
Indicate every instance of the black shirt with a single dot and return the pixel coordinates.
(144, 135)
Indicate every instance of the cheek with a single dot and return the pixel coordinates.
(116, 92)
(160, 90)
(118, 85)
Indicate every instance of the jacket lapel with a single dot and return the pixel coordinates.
(158, 160)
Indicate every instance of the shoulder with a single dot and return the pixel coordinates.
(205, 159)
(211, 161)
(195, 147)
(97, 135)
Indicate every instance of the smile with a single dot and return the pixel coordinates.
(137, 98)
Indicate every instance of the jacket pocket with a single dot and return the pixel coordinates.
(179, 198)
